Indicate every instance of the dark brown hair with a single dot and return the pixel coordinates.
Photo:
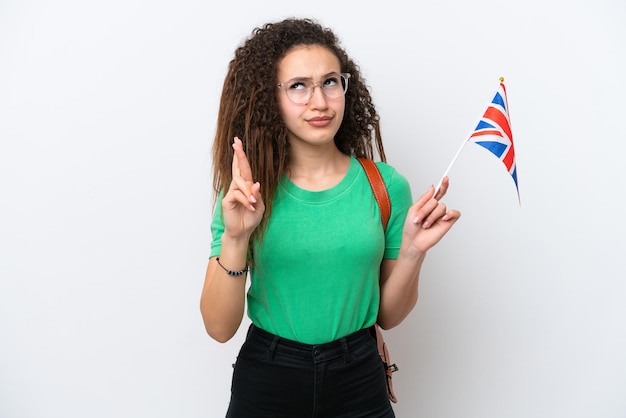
(249, 107)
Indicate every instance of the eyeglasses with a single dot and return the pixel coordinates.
(300, 90)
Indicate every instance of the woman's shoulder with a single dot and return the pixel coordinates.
(398, 188)
(394, 180)
(391, 175)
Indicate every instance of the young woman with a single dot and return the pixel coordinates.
(295, 210)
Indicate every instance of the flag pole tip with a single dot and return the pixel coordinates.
(501, 79)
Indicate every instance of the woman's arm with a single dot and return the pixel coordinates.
(223, 296)
(427, 221)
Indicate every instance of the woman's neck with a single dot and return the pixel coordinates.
(318, 170)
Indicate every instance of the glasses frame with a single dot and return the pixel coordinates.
(344, 76)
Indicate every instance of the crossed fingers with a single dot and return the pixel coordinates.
(242, 184)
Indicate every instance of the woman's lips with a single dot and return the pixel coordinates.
(319, 121)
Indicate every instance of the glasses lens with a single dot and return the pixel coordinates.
(334, 86)
(298, 91)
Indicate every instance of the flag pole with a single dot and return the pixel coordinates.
(450, 166)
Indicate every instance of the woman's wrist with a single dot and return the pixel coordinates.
(233, 255)
(241, 241)
(234, 273)
(411, 253)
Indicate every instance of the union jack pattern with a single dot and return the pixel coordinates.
(493, 132)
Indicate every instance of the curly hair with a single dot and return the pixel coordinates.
(249, 107)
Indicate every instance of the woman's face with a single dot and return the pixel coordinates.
(314, 121)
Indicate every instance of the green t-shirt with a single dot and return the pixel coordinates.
(315, 274)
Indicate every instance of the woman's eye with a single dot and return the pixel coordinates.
(298, 85)
(330, 82)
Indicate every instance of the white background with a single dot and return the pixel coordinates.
(107, 112)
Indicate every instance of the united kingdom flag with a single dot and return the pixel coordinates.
(493, 132)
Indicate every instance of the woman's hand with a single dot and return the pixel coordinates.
(428, 220)
(242, 205)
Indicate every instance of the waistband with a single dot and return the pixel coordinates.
(319, 352)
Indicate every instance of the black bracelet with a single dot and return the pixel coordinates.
(232, 272)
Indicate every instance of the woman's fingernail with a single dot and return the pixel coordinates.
(416, 220)
(252, 199)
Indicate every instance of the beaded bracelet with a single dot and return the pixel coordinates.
(232, 272)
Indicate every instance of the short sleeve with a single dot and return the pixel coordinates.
(217, 228)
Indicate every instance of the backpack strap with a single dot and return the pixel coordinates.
(384, 203)
(379, 188)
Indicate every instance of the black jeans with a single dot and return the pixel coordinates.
(279, 378)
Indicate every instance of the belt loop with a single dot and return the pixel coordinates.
(346, 350)
(272, 347)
